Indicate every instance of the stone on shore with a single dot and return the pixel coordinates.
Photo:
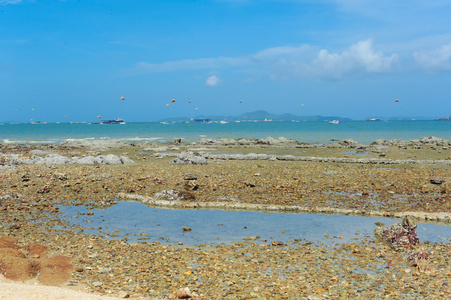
(400, 236)
(184, 293)
(189, 158)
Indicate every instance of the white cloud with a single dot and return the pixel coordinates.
(358, 58)
(212, 81)
(288, 62)
(6, 2)
(278, 52)
(438, 59)
(190, 64)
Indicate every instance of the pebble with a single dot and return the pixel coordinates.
(154, 270)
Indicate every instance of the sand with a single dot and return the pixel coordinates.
(31, 290)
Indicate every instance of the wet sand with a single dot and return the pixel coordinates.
(295, 270)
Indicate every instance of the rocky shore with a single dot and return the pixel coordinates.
(386, 178)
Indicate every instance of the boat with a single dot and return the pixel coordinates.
(443, 119)
(115, 121)
(223, 122)
(200, 121)
(373, 119)
(334, 122)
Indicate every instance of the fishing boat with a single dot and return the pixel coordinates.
(334, 122)
(115, 121)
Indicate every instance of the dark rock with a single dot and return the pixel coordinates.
(400, 236)
(189, 177)
(437, 180)
(277, 243)
(416, 258)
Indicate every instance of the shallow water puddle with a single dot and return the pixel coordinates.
(136, 221)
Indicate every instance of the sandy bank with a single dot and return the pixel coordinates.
(30, 290)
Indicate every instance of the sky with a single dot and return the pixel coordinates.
(72, 60)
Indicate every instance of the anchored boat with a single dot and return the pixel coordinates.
(115, 121)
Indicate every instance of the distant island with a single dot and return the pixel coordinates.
(259, 115)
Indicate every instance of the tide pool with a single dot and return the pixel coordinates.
(137, 221)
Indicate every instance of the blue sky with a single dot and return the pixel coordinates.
(73, 60)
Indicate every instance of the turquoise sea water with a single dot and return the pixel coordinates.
(364, 132)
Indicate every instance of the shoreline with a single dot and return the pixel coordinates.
(104, 266)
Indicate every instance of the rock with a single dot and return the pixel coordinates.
(191, 186)
(349, 143)
(378, 142)
(437, 180)
(330, 173)
(189, 177)
(123, 294)
(432, 140)
(399, 236)
(60, 176)
(184, 293)
(56, 159)
(277, 243)
(105, 270)
(174, 195)
(416, 258)
(189, 158)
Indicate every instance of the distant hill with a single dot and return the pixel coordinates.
(259, 115)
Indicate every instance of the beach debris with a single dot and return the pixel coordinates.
(185, 229)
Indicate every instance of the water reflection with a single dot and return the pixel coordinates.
(136, 221)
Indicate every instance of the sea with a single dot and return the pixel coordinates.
(312, 132)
